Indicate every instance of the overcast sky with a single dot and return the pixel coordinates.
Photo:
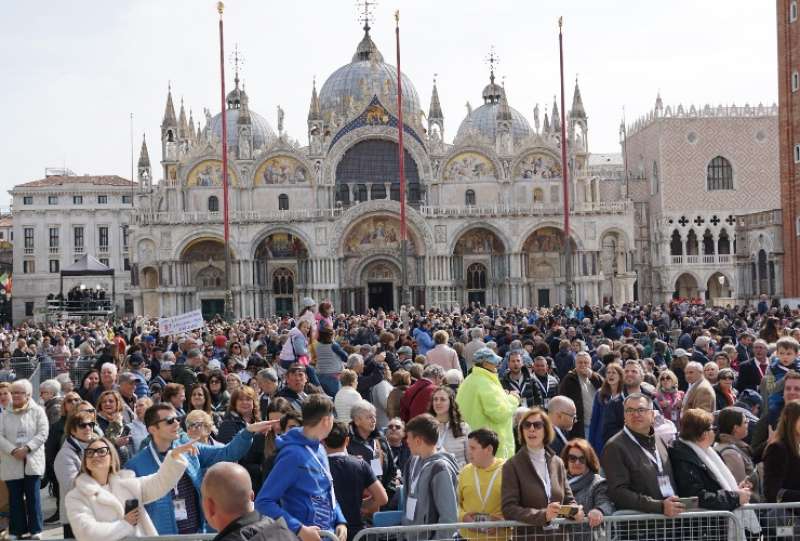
(72, 72)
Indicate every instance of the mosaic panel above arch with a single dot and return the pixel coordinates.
(208, 173)
(538, 165)
(545, 239)
(467, 166)
(478, 242)
(281, 170)
(376, 234)
(282, 245)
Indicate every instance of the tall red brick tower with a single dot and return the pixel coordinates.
(789, 127)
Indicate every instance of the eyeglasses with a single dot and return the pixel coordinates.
(73, 400)
(579, 459)
(195, 426)
(88, 410)
(87, 425)
(572, 416)
(665, 378)
(98, 452)
(394, 427)
(636, 411)
(171, 420)
(215, 382)
(536, 425)
(726, 378)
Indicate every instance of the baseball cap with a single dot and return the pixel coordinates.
(486, 355)
(405, 350)
(680, 352)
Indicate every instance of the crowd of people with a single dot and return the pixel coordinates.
(288, 426)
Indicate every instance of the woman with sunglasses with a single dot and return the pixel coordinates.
(724, 389)
(534, 483)
(217, 388)
(700, 472)
(200, 427)
(111, 422)
(668, 397)
(588, 486)
(67, 464)
(96, 507)
(55, 437)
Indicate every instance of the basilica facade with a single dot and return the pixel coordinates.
(484, 212)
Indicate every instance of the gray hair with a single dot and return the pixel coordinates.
(433, 371)
(354, 360)
(638, 396)
(50, 385)
(109, 366)
(476, 333)
(63, 378)
(126, 377)
(583, 354)
(362, 407)
(23, 384)
(694, 364)
(168, 356)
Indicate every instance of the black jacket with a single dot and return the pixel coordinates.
(366, 450)
(571, 388)
(253, 526)
(693, 478)
(749, 376)
(528, 390)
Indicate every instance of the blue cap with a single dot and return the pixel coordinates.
(486, 355)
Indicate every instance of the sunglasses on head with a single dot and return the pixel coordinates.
(97, 452)
(87, 424)
(536, 425)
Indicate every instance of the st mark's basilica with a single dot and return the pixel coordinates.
(485, 216)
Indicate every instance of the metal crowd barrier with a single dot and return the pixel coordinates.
(778, 521)
(691, 525)
(327, 536)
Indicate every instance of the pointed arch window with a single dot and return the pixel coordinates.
(720, 174)
(282, 282)
(283, 202)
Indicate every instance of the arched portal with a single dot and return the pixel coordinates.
(544, 265)
(280, 260)
(381, 279)
(686, 287)
(204, 268)
(480, 265)
(719, 290)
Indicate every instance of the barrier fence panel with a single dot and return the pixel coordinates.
(691, 526)
(778, 521)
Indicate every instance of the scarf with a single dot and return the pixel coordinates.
(725, 478)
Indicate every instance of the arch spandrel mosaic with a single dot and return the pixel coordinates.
(538, 165)
(379, 233)
(281, 170)
(469, 166)
(208, 173)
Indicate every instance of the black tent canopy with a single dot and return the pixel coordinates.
(87, 265)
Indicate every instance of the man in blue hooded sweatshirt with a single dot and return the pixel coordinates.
(300, 487)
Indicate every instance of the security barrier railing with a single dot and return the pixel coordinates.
(691, 525)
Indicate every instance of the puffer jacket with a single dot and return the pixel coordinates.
(19, 428)
(255, 527)
(97, 512)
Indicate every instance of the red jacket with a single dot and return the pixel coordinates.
(417, 399)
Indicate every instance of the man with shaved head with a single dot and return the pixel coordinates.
(228, 506)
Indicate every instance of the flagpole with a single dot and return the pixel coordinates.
(565, 173)
(226, 217)
(404, 292)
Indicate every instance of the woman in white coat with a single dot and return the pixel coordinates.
(23, 431)
(96, 506)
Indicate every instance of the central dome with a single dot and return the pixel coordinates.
(237, 101)
(484, 120)
(365, 76)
